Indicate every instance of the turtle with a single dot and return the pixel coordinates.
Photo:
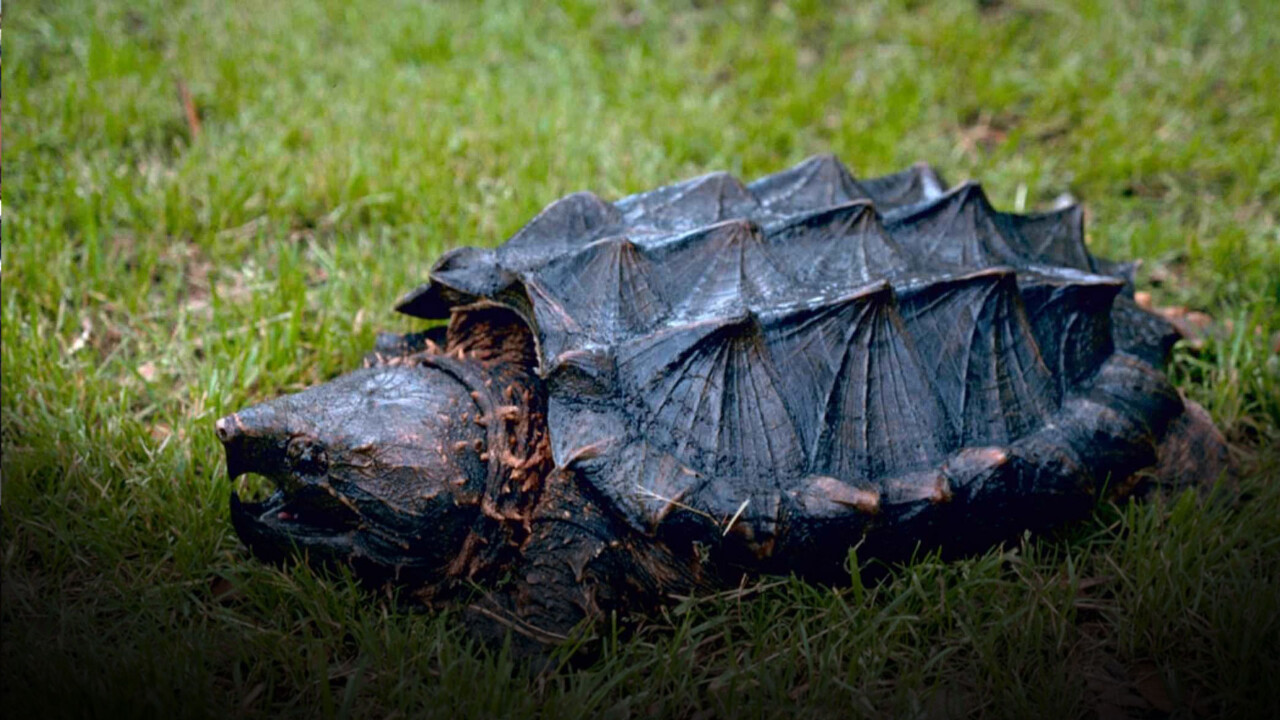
(630, 401)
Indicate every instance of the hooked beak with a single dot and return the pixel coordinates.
(232, 439)
(255, 440)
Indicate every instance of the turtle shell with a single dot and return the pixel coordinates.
(781, 369)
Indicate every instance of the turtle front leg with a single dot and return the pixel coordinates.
(578, 565)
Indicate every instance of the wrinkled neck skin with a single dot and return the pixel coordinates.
(529, 514)
(543, 555)
(516, 458)
(431, 469)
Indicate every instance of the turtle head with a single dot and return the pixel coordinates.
(380, 468)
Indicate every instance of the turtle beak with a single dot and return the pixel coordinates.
(252, 439)
(232, 439)
(293, 516)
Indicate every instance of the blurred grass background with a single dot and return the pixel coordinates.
(159, 272)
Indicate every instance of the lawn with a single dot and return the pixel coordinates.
(210, 203)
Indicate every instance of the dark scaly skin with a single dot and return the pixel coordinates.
(923, 372)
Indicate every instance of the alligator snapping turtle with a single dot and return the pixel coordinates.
(656, 395)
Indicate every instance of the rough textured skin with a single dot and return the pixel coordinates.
(648, 397)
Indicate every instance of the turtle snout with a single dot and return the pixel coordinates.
(230, 434)
(252, 442)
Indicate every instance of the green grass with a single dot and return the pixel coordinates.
(153, 280)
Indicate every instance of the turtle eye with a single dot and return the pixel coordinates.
(307, 457)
